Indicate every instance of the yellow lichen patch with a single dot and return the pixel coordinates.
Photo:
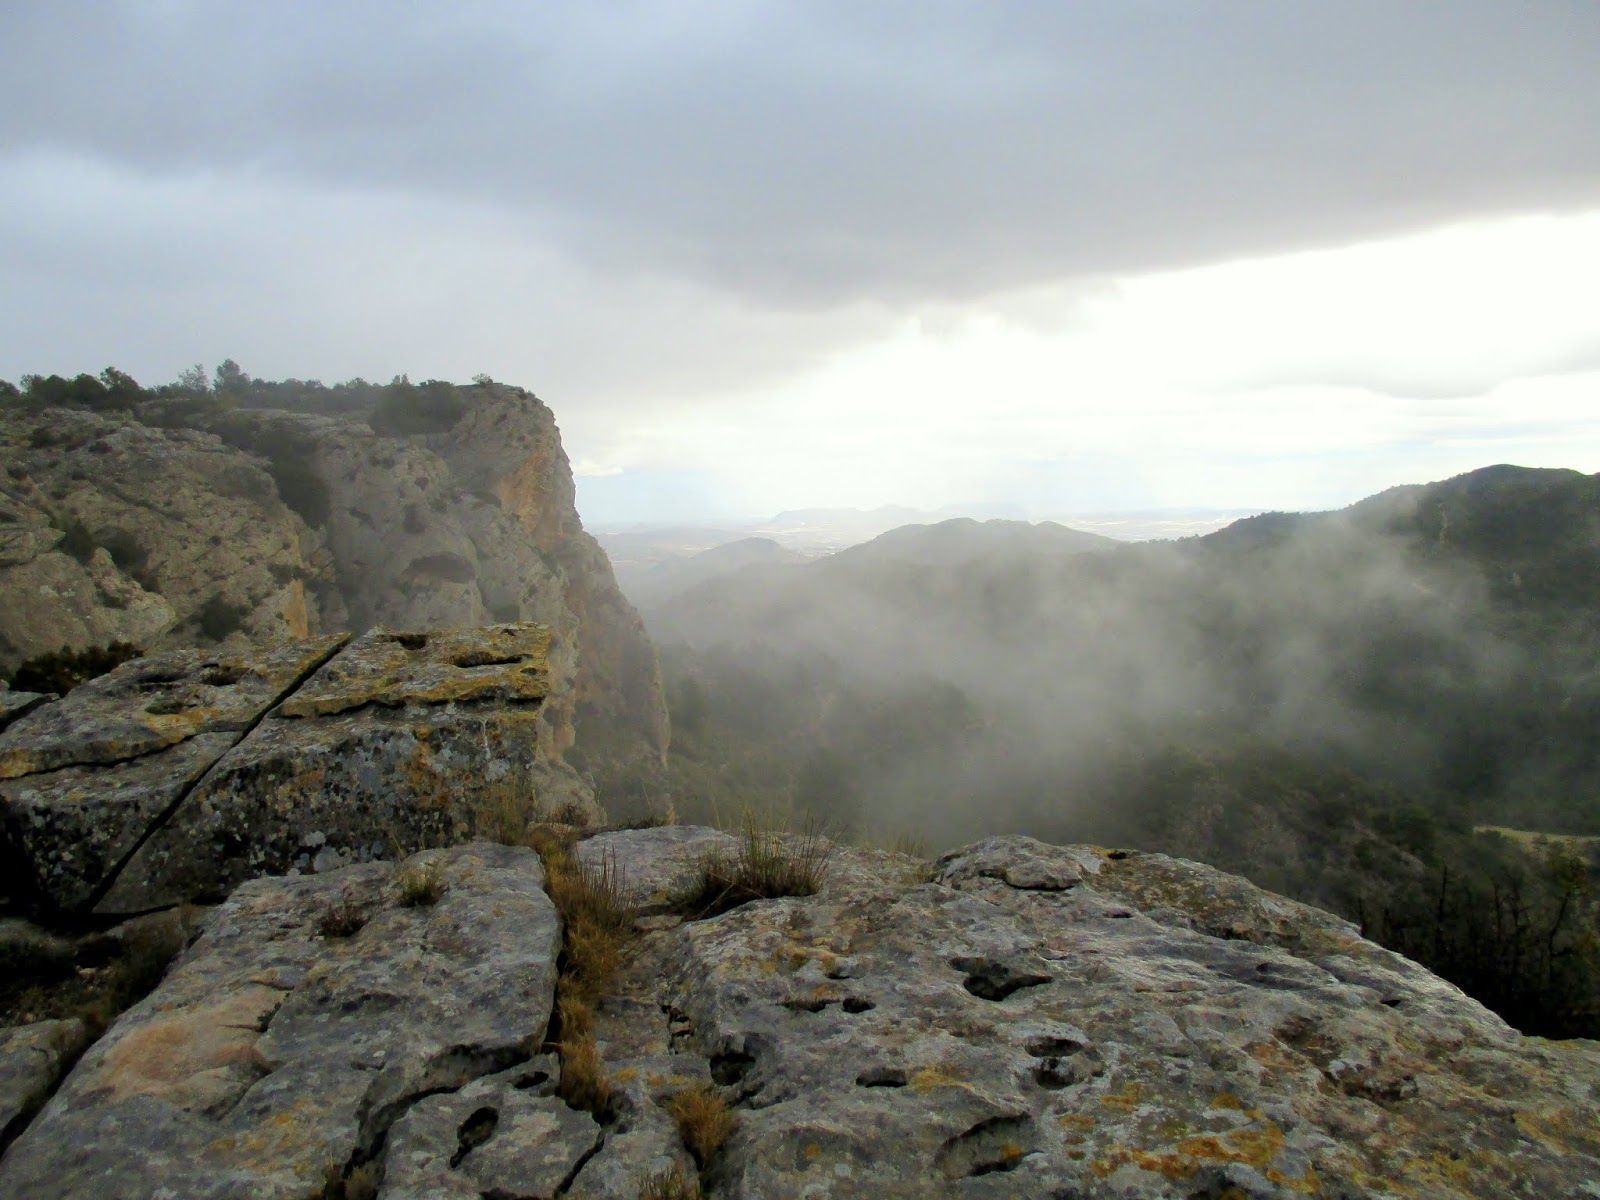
(186, 1055)
(1125, 1098)
(1554, 1129)
(926, 1079)
(1273, 1055)
(1227, 1100)
(812, 1151)
(1075, 1121)
(1255, 1145)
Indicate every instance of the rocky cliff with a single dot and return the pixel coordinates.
(170, 527)
(1017, 1020)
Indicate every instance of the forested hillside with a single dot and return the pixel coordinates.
(1328, 703)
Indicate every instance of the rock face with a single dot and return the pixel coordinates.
(179, 776)
(1017, 1020)
(261, 526)
(283, 1048)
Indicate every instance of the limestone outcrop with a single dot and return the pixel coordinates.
(176, 777)
(1016, 1020)
(169, 528)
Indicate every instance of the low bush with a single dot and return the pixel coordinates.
(219, 618)
(65, 669)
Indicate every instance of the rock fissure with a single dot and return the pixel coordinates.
(188, 788)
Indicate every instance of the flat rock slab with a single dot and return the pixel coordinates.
(33, 1058)
(501, 663)
(503, 1136)
(397, 742)
(655, 867)
(1066, 1021)
(18, 704)
(152, 703)
(308, 1019)
(175, 778)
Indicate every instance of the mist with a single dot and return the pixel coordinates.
(1138, 694)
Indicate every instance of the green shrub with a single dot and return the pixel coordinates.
(219, 618)
(65, 669)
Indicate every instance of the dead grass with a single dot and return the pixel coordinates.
(420, 884)
(343, 917)
(505, 812)
(671, 1184)
(703, 1119)
(766, 863)
(362, 1183)
(592, 901)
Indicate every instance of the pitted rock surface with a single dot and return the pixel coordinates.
(1068, 1022)
(284, 1045)
(152, 703)
(177, 777)
(396, 741)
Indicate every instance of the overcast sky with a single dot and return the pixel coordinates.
(1090, 256)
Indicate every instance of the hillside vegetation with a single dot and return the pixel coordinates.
(1327, 703)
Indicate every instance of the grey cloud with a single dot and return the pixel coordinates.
(820, 153)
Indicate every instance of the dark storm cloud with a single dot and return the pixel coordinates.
(823, 153)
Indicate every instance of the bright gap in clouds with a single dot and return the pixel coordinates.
(1300, 380)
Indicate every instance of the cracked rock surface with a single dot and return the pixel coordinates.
(278, 1054)
(1020, 1020)
(176, 777)
(1044, 1021)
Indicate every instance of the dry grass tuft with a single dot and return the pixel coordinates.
(592, 901)
(361, 1183)
(767, 863)
(671, 1184)
(703, 1118)
(419, 884)
(505, 812)
(343, 917)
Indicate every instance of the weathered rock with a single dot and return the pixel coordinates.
(111, 530)
(654, 867)
(175, 778)
(507, 1135)
(1046, 1021)
(395, 743)
(288, 1042)
(17, 704)
(268, 525)
(33, 1058)
(1032, 1021)
(85, 780)
(75, 827)
(152, 703)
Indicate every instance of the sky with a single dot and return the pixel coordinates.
(1112, 255)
